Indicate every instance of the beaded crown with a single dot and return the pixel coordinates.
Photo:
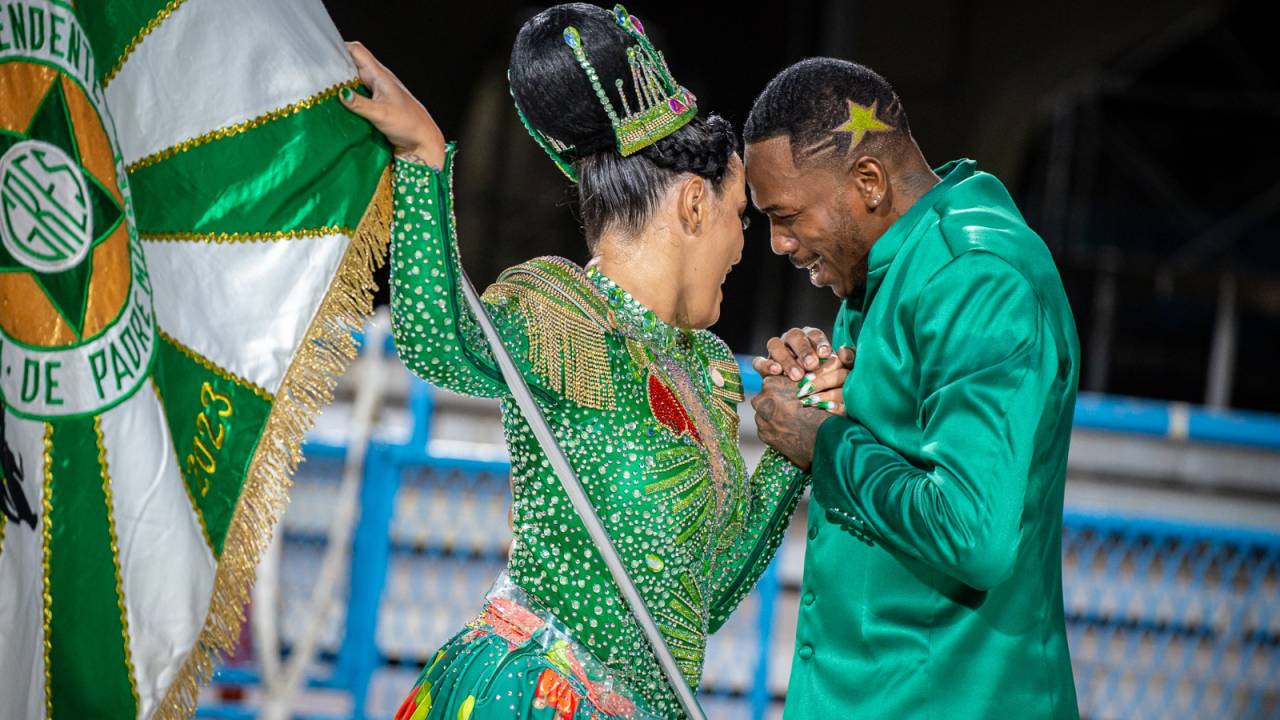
(662, 106)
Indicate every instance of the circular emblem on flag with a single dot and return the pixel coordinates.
(45, 219)
(70, 259)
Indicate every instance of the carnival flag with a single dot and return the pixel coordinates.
(190, 221)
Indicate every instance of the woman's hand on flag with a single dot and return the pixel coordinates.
(394, 110)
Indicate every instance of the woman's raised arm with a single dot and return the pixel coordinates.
(434, 330)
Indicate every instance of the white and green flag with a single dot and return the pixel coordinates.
(189, 223)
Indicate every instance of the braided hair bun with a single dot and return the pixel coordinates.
(702, 147)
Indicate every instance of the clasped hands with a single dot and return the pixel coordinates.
(803, 386)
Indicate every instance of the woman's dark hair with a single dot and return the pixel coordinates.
(557, 98)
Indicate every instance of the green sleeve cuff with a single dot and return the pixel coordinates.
(830, 436)
(422, 170)
(833, 482)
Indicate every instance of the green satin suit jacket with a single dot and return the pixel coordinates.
(933, 571)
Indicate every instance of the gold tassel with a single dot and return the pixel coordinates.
(326, 350)
(567, 349)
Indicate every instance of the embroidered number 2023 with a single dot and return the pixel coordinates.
(211, 430)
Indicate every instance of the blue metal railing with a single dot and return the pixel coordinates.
(1119, 576)
(1096, 411)
(1178, 421)
(1172, 620)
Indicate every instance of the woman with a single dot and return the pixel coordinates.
(639, 395)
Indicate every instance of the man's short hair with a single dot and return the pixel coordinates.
(825, 105)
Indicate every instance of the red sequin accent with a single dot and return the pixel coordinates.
(667, 409)
(605, 700)
(554, 691)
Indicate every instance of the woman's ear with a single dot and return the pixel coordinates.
(693, 204)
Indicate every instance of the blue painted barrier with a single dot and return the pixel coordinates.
(1131, 582)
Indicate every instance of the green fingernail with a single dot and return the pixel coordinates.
(827, 405)
(346, 94)
(808, 402)
(806, 385)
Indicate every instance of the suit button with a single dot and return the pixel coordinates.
(813, 531)
(806, 651)
(807, 598)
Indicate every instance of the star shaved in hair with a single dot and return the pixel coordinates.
(832, 110)
(862, 120)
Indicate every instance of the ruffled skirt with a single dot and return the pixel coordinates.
(515, 660)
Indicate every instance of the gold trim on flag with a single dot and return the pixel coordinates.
(207, 364)
(115, 559)
(230, 130)
(195, 507)
(324, 353)
(47, 619)
(235, 237)
(146, 30)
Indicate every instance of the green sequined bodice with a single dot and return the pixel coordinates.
(646, 413)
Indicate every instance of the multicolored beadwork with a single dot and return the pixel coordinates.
(662, 106)
(551, 146)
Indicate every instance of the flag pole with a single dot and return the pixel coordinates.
(581, 503)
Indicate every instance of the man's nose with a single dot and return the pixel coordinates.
(780, 242)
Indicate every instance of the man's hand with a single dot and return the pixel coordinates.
(784, 423)
(824, 388)
(798, 351)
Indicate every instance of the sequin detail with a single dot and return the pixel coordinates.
(668, 410)
(669, 484)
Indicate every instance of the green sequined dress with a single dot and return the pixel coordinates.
(647, 414)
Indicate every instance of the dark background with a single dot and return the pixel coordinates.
(1137, 138)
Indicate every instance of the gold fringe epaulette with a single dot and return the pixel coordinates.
(566, 322)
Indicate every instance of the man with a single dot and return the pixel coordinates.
(932, 582)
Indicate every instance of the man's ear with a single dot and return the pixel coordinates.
(870, 181)
(693, 204)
